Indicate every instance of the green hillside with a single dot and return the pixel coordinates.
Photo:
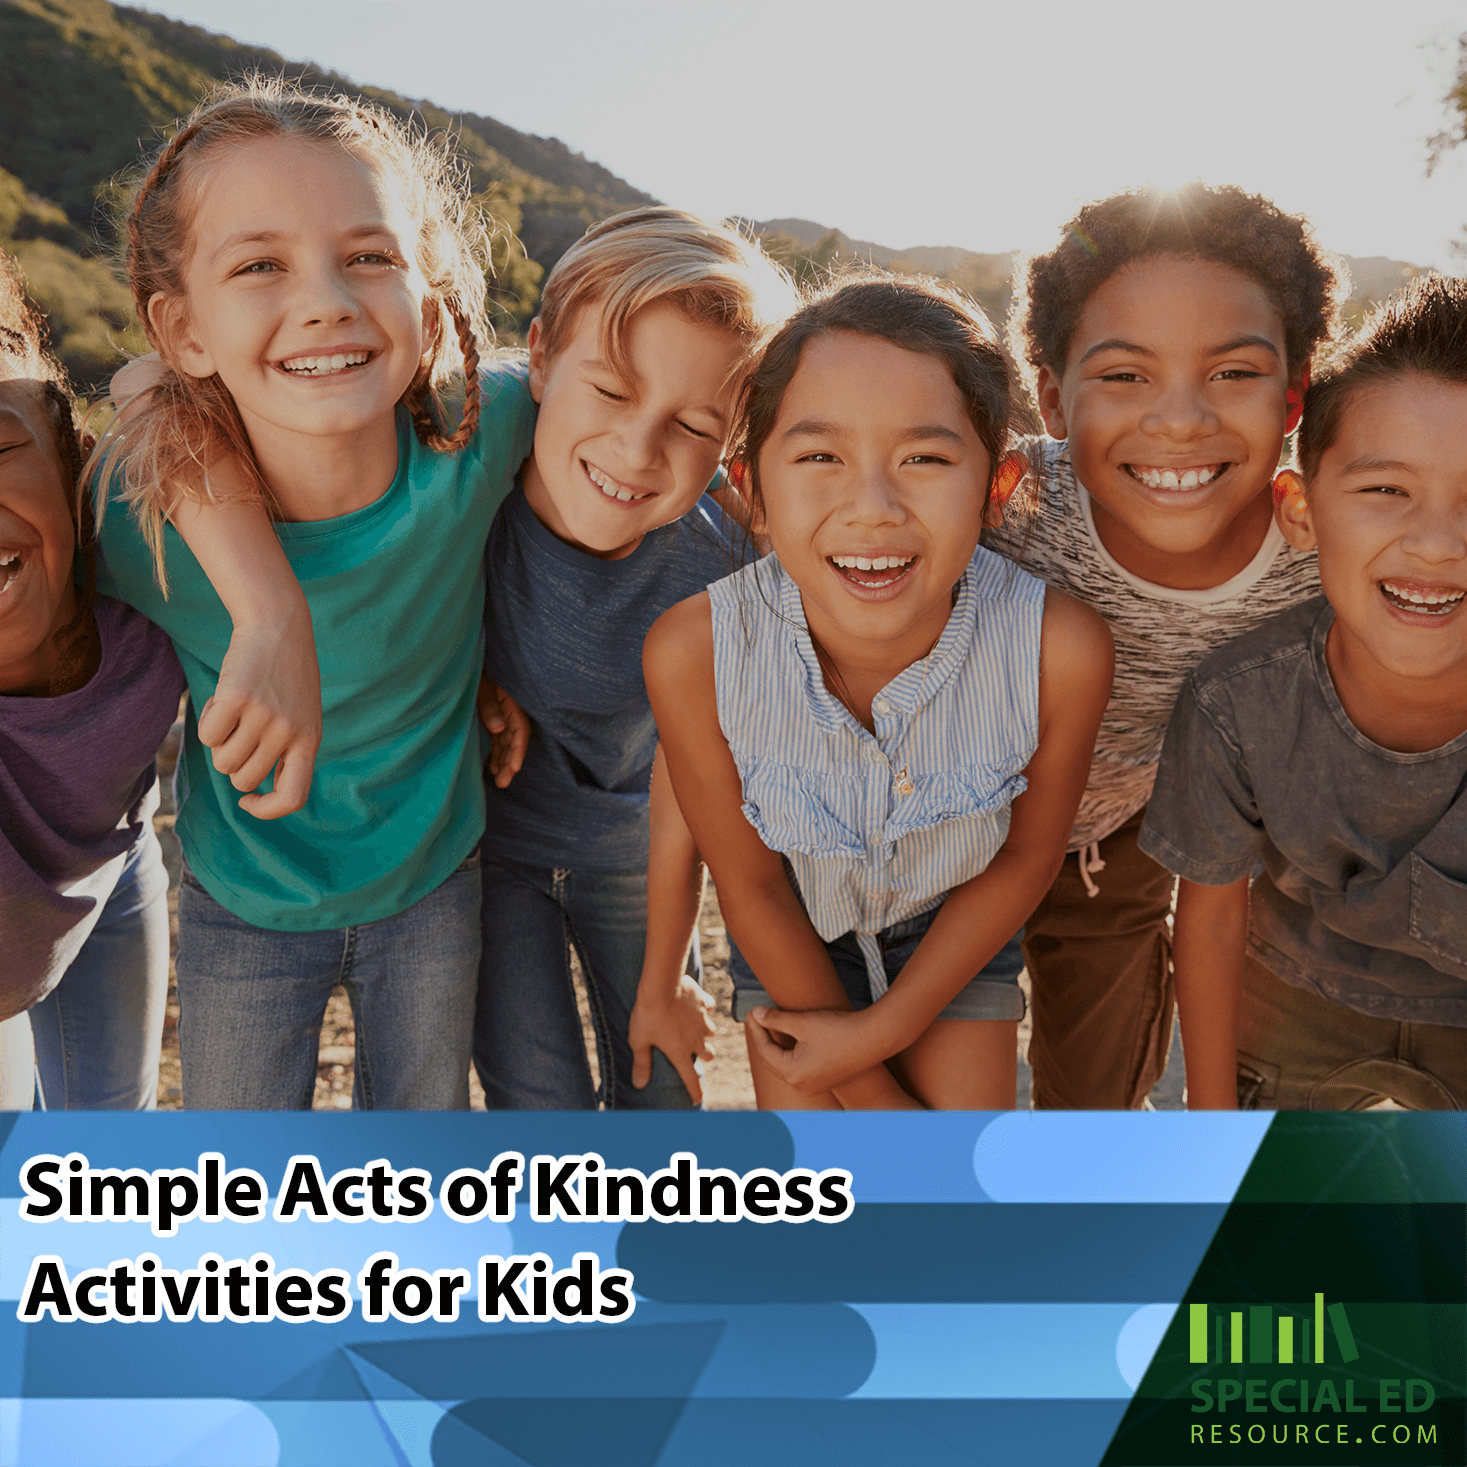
(86, 87)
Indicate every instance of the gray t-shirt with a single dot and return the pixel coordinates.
(1362, 897)
(77, 788)
(564, 639)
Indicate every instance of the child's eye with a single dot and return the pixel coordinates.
(609, 396)
(1120, 376)
(820, 456)
(1236, 374)
(1382, 489)
(258, 267)
(926, 458)
(374, 257)
(695, 432)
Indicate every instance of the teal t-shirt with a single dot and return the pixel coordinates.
(396, 592)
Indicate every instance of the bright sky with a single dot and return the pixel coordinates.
(982, 125)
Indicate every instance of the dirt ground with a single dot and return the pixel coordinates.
(726, 1081)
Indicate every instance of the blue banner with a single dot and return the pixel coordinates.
(547, 1289)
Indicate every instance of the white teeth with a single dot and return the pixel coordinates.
(610, 488)
(325, 366)
(1174, 479)
(880, 562)
(1423, 598)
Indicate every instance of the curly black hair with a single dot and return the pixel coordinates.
(1198, 221)
(1421, 329)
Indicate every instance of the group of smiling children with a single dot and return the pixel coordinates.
(790, 587)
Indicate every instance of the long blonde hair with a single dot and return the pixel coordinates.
(164, 446)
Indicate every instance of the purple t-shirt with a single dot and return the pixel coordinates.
(77, 788)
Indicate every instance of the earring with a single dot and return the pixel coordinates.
(1288, 485)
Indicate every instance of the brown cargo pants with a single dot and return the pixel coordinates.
(1101, 975)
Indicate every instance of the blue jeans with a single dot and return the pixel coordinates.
(99, 1031)
(993, 993)
(251, 1003)
(528, 1047)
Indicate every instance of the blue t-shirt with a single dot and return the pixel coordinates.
(396, 591)
(565, 633)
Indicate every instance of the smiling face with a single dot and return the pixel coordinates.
(617, 457)
(1387, 508)
(1173, 401)
(301, 293)
(37, 540)
(873, 482)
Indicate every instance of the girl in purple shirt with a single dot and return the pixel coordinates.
(88, 688)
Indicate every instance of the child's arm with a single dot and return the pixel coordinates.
(1208, 946)
(758, 903)
(978, 917)
(672, 1011)
(266, 710)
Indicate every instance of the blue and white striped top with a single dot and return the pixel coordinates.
(878, 829)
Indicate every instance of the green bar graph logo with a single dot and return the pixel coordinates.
(1263, 1338)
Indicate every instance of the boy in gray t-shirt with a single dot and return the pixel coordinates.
(1325, 756)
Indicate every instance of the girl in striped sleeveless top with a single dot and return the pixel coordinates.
(879, 734)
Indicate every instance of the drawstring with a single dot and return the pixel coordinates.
(1089, 858)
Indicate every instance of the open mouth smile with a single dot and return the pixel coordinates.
(1193, 476)
(1417, 600)
(611, 488)
(875, 572)
(333, 365)
(12, 562)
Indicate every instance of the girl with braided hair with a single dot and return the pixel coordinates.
(309, 274)
(88, 689)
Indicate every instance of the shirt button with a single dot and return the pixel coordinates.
(882, 706)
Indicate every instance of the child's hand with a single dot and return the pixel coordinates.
(678, 1025)
(814, 1051)
(508, 723)
(266, 713)
(134, 377)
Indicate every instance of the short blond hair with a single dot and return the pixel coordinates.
(711, 273)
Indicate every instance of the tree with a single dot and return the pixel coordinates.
(1453, 135)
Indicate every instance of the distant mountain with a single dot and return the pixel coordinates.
(809, 249)
(1373, 277)
(935, 259)
(987, 278)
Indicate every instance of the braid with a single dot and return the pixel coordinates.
(140, 277)
(74, 640)
(416, 397)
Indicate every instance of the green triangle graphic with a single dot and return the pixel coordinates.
(1327, 1321)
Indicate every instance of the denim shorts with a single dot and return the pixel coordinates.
(992, 994)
